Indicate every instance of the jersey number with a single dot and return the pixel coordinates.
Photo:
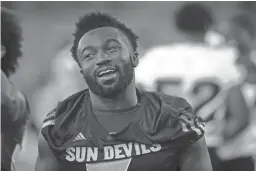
(202, 91)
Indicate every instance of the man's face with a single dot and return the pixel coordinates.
(104, 55)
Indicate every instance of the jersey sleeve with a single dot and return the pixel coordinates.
(49, 119)
(190, 128)
(47, 128)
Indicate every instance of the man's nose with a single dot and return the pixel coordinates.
(104, 58)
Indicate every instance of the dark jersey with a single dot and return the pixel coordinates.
(154, 140)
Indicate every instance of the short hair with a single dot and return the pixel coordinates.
(244, 21)
(193, 18)
(11, 39)
(95, 20)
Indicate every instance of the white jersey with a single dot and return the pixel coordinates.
(245, 143)
(196, 72)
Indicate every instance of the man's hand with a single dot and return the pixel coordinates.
(196, 157)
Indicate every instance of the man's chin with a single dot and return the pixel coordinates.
(110, 93)
(107, 90)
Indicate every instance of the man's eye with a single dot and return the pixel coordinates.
(112, 49)
(88, 56)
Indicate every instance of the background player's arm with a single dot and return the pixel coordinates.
(196, 157)
(238, 113)
(46, 161)
(13, 102)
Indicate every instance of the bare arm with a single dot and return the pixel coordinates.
(46, 161)
(238, 113)
(196, 157)
(13, 102)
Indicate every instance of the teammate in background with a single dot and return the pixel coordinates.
(240, 130)
(113, 125)
(194, 70)
(14, 107)
(193, 58)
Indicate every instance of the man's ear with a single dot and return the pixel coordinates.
(3, 51)
(135, 59)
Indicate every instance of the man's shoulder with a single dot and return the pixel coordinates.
(174, 102)
(75, 96)
(63, 107)
(71, 100)
(170, 118)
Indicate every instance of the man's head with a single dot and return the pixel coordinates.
(241, 32)
(193, 19)
(106, 51)
(11, 38)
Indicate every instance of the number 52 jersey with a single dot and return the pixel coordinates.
(199, 73)
(154, 139)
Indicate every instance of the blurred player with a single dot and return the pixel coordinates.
(14, 107)
(194, 70)
(113, 125)
(240, 130)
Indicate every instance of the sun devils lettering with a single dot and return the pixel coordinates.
(119, 151)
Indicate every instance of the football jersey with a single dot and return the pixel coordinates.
(244, 143)
(155, 138)
(199, 73)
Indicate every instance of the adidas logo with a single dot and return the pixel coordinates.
(80, 136)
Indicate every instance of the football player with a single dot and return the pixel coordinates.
(113, 125)
(14, 106)
(194, 70)
(240, 132)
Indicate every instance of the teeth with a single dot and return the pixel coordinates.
(106, 72)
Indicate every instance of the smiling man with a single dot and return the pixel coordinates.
(113, 125)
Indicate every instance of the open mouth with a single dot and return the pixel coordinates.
(107, 72)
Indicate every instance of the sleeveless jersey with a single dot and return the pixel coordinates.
(154, 140)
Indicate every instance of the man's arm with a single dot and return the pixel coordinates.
(196, 157)
(46, 161)
(238, 113)
(13, 102)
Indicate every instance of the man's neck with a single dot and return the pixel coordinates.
(124, 100)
